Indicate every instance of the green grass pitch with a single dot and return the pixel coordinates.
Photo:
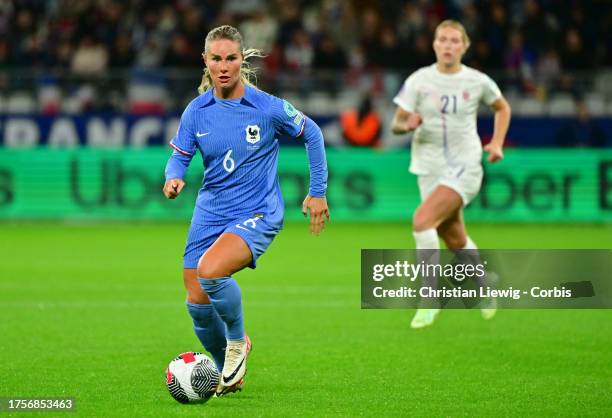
(96, 311)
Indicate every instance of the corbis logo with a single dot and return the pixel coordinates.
(252, 134)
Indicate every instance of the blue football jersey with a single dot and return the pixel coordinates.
(238, 140)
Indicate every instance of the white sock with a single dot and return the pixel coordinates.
(472, 257)
(428, 252)
(426, 239)
(469, 244)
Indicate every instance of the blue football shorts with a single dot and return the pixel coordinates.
(257, 233)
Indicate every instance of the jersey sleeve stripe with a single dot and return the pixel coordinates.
(179, 150)
(302, 129)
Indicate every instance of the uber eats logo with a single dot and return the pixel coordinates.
(581, 189)
(111, 182)
(543, 190)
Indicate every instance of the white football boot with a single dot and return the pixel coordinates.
(234, 368)
(424, 317)
(489, 309)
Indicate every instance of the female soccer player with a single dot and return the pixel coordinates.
(440, 102)
(239, 209)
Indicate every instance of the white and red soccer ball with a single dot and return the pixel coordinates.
(192, 377)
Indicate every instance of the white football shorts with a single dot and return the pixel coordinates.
(465, 180)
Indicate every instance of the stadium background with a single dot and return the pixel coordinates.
(90, 292)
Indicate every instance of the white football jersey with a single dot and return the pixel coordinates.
(448, 105)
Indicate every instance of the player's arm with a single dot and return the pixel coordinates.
(404, 121)
(406, 118)
(500, 129)
(315, 202)
(176, 167)
(289, 121)
(183, 145)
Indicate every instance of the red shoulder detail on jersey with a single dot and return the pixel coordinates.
(179, 150)
(302, 129)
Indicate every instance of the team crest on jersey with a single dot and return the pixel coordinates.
(466, 95)
(252, 134)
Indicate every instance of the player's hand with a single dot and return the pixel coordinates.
(414, 120)
(319, 213)
(173, 187)
(495, 152)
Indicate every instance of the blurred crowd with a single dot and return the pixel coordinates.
(534, 47)
(538, 36)
(347, 57)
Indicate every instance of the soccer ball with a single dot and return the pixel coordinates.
(192, 377)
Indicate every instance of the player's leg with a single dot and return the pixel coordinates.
(452, 231)
(440, 205)
(226, 256)
(436, 207)
(241, 244)
(454, 234)
(207, 324)
(229, 254)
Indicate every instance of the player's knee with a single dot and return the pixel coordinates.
(421, 221)
(195, 294)
(210, 269)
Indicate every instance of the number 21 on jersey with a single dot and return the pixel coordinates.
(449, 103)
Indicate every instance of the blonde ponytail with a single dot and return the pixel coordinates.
(247, 74)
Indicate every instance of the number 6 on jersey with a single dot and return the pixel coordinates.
(228, 162)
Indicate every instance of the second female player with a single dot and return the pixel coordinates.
(440, 103)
